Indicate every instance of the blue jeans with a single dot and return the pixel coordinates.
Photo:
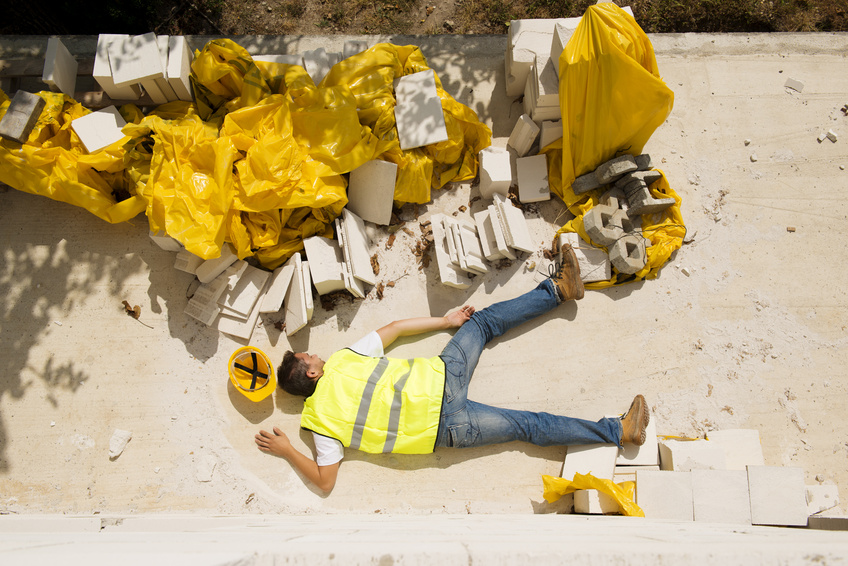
(465, 423)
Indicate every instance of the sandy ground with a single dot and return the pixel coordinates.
(754, 336)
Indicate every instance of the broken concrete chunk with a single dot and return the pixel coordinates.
(118, 442)
(614, 168)
(821, 498)
(21, 116)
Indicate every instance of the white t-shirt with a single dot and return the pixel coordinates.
(329, 450)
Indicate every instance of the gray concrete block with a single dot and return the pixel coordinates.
(603, 224)
(665, 495)
(21, 116)
(585, 183)
(615, 168)
(629, 253)
(778, 496)
(642, 202)
(721, 496)
(643, 162)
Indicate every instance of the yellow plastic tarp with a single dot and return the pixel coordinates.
(623, 493)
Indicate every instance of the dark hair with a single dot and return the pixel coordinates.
(292, 378)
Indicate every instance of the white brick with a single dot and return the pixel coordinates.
(151, 87)
(495, 172)
(277, 287)
(243, 296)
(60, 67)
(179, 67)
(165, 242)
(419, 115)
(448, 273)
(498, 231)
(371, 191)
(721, 496)
(187, 261)
(546, 89)
(357, 246)
(240, 328)
(523, 135)
(203, 305)
(486, 232)
(514, 225)
(352, 284)
(595, 459)
(414, 85)
(296, 315)
(628, 473)
(821, 498)
(525, 40)
(665, 495)
(307, 289)
(593, 502)
(211, 268)
(778, 496)
(645, 455)
(99, 129)
(594, 262)
(551, 131)
(102, 71)
(741, 447)
(163, 83)
(135, 59)
(325, 264)
(471, 245)
(563, 30)
(533, 179)
(688, 455)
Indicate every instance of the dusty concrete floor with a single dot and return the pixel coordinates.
(754, 337)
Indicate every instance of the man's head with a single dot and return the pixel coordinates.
(299, 373)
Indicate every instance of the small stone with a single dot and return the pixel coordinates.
(156, 470)
(685, 271)
(118, 442)
(52, 423)
(747, 142)
(794, 85)
(842, 168)
(820, 478)
(754, 158)
(831, 135)
(57, 323)
(449, 25)
(790, 228)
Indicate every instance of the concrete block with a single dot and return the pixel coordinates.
(741, 447)
(295, 302)
(135, 59)
(471, 245)
(165, 242)
(357, 247)
(164, 83)
(102, 71)
(533, 179)
(355, 286)
(354, 47)
(828, 523)
(628, 473)
(203, 305)
(665, 495)
(778, 496)
(238, 327)
(615, 168)
(646, 455)
(643, 162)
(486, 233)
(99, 129)
(523, 135)
(562, 33)
(154, 91)
(325, 264)
(514, 225)
(448, 273)
(550, 131)
(211, 268)
(721, 496)
(21, 116)
(280, 59)
(594, 262)
(243, 295)
(629, 253)
(821, 498)
(495, 172)
(60, 67)
(307, 289)
(371, 191)
(646, 177)
(187, 261)
(498, 232)
(688, 455)
(593, 502)
(419, 115)
(585, 183)
(179, 67)
(603, 224)
(318, 63)
(642, 202)
(277, 287)
(595, 459)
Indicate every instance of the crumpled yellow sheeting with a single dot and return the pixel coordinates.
(623, 492)
(54, 163)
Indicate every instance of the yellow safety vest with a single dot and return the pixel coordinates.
(378, 405)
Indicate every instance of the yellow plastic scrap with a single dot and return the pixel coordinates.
(623, 493)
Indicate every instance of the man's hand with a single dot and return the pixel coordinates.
(460, 317)
(277, 443)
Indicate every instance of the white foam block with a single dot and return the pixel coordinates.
(60, 67)
(179, 66)
(778, 496)
(325, 264)
(514, 225)
(498, 231)
(448, 273)
(212, 268)
(358, 246)
(495, 171)
(665, 495)
(523, 135)
(688, 455)
(595, 459)
(102, 71)
(533, 178)
(419, 115)
(296, 315)
(486, 233)
(163, 83)
(238, 327)
(721, 496)
(247, 290)
(135, 59)
(277, 287)
(99, 129)
(741, 447)
(371, 191)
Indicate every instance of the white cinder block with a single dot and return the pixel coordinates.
(646, 455)
(741, 447)
(371, 191)
(281, 59)
(357, 247)
(296, 315)
(546, 89)
(354, 47)
(187, 261)
(495, 172)
(595, 459)
(721, 496)
(514, 225)
(593, 502)
(325, 264)
(526, 39)
(99, 129)
(665, 495)
(420, 122)
(179, 67)
(211, 268)
(60, 67)
(277, 287)
(523, 135)
(163, 83)
(688, 455)
(238, 327)
(448, 273)
(563, 30)
(352, 284)
(533, 178)
(551, 131)
(778, 496)
(165, 242)
(821, 498)
(135, 59)
(498, 230)
(102, 71)
(246, 291)
(486, 233)
(153, 90)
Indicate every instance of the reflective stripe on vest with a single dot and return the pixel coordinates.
(378, 404)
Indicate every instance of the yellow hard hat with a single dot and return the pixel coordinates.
(251, 373)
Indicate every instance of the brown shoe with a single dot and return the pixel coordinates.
(635, 422)
(567, 275)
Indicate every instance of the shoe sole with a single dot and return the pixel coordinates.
(646, 418)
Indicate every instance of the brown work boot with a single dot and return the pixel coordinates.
(635, 422)
(567, 275)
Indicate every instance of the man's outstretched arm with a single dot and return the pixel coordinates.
(413, 326)
(278, 443)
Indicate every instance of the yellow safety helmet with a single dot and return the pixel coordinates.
(251, 373)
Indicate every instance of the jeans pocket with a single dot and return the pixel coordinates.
(455, 382)
(462, 435)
